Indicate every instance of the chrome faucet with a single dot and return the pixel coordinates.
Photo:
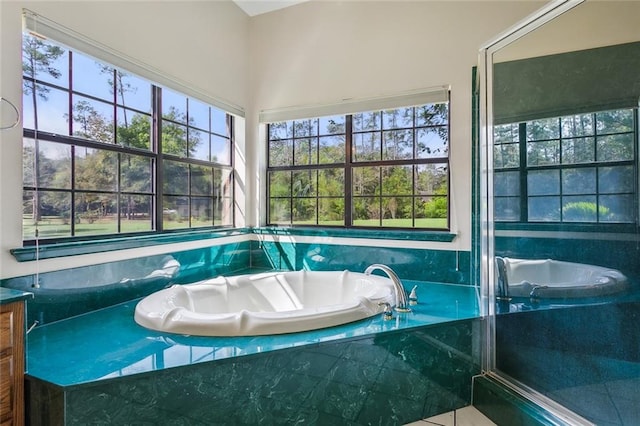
(401, 294)
(502, 291)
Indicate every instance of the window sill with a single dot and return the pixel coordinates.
(74, 248)
(377, 234)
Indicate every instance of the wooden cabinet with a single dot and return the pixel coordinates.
(12, 364)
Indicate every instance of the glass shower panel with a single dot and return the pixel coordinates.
(564, 198)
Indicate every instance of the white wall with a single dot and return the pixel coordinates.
(322, 52)
(202, 43)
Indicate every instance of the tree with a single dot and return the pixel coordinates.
(37, 57)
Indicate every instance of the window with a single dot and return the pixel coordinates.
(578, 168)
(106, 152)
(378, 169)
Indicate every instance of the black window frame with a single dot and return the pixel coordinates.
(523, 170)
(154, 154)
(350, 164)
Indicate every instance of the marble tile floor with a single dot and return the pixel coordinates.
(466, 416)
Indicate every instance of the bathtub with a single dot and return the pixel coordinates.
(267, 303)
(547, 278)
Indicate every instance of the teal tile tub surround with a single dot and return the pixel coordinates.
(69, 292)
(445, 266)
(65, 293)
(102, 367)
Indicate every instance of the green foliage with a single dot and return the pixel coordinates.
(583, 211)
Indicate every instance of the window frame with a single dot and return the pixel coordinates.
(154, 154)
(350, 164)
(523, 169)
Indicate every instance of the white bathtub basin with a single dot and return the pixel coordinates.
(558, 279)
(268, 303)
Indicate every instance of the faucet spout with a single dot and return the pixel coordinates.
(401, 294)
(502, 290)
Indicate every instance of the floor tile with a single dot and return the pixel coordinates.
(467, 416)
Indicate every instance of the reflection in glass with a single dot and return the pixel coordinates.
(580, 208)
(543, 182)
(577, 125)
(619, 208)
(578, 150)
(615, 147)
(543, 129)
(543, 153)
(579, 181)
(616, 179)
(544, 209)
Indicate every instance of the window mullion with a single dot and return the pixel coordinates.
(524, 193)
(156, 142)
(348, 172)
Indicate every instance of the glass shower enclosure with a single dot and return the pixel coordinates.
(559, 209)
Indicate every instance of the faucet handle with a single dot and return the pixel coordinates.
(387, 314)
(413, 296)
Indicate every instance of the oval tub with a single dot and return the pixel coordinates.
(263, 304)
(557, 279)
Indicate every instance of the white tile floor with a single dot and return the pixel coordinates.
(467, 416)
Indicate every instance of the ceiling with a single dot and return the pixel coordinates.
(257, 7)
